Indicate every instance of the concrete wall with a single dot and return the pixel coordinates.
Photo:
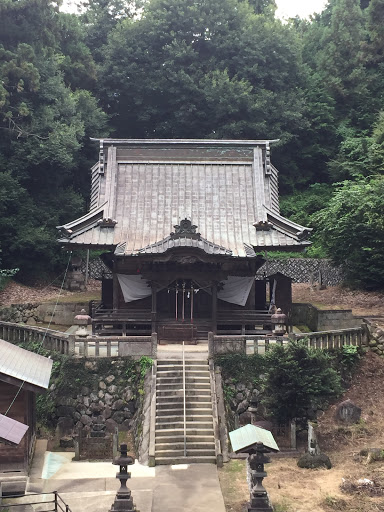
(323, 319)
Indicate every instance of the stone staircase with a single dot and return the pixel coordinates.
(169, 432)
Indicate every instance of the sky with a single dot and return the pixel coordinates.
(303, 8)
(286, 8)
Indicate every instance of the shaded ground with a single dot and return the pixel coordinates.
(16, 293)
(293, 489)
(337, 297)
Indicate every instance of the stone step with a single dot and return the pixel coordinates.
(162, 362)
(180, 424)
(176, 386)
(179, 398)
(180, 417)
(177, 432)
(179, 369)
(202, 445)
(180, 411)
(190, 376)
(176, 436)
(189, 381)
(177, 393)
(190, 453)
(185, 460)
(174, 406)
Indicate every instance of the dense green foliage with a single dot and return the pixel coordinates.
(176, 68)
(298, 380)
(293, 381)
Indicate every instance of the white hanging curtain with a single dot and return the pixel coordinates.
(236, 290)
(134, 287)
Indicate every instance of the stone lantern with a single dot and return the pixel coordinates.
(82, 321)
(256, 442)
(123, 501)
(279, 320)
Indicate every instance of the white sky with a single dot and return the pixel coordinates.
(303, 8)
(285, 8)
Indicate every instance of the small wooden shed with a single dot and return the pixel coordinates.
(22, 375)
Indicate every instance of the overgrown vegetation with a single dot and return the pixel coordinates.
(294, 381)
(182, 69)
(69, 375)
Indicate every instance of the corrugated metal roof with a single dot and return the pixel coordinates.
(11, 431)
(147, 198)
(24, 365)
(245, 437)
(171, 243)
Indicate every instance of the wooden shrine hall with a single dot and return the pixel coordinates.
(184, 225)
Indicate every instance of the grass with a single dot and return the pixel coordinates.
(234, 486)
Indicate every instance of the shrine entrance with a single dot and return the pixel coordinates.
(184, 301)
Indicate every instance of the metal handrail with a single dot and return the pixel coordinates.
(55, 501)
(185, 414)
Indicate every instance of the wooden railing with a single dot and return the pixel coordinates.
(243, 322)
(259, 344)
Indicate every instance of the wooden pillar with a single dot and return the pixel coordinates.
(154, 307)
(214, 307)
(115, 299)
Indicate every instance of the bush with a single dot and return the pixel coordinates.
(298, 379)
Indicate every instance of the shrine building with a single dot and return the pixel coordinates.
(185, 225)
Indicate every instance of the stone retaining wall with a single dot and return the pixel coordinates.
(107, 401)
(376, 337)
(33, 314)
(305, 270)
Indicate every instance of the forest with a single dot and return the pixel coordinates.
(194, 69)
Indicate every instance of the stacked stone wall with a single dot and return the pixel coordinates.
(376, 337)
(34, 314)
(105, 396)
(305, 270)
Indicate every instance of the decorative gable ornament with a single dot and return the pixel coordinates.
(185, 230)
(107, 223)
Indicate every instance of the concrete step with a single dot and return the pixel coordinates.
(189, 453)
(180, 424)
(180, 412)
(177, 392)
(175, 386)
(179, 431)
(189, 381)
(179, 369)
(189, 377)
(185, 460)
(174, 406)
(171, 365)
(190, 446)
(179, 398)
(189, 417)
(178, 437)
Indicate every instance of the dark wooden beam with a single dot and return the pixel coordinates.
(214, 307)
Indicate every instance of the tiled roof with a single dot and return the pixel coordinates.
(146, 189)
(24, 365)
